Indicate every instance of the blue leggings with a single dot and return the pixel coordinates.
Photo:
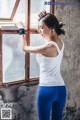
(49, 99)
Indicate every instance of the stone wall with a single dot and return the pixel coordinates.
(70, 16)
(21, 99)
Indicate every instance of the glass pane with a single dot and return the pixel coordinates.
(6, 8)
(13, 58)
(20, 13)
(35, 40)
(36, 7)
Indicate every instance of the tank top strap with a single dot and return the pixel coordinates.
(63, 44)
(55, 44)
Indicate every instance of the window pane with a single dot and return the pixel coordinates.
(36, 7)
(35, 40)
(6, 8)
(13, 58)
(20, 13)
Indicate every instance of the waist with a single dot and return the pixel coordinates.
(51, 81)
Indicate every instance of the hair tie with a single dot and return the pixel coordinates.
(61, 24)
(42, 13)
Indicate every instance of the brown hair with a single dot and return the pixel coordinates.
(52, 22)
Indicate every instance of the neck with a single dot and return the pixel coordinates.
(54, 38)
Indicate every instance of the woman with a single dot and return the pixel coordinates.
(51, 91)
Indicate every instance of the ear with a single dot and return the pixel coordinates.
(53, 32)
(53, 29)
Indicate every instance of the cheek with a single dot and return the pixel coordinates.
(46, 31)
(39, 30)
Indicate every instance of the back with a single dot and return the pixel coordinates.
(50, 74)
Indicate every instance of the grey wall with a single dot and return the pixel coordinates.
(21, 99)
(70, 16)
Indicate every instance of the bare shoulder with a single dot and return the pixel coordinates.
(50, 50)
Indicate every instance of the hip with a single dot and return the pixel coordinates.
(51, 91)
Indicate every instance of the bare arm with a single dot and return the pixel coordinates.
(29, 49)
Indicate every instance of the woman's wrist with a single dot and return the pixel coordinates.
(21, 31)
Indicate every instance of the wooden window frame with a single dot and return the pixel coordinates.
(12, 14)
(27, 56)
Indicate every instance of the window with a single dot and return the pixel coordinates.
(15, 65)
(8, 9)
(13, 59)
(35, 10)
(9, 5)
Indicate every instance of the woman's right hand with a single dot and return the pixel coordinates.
(20, 25)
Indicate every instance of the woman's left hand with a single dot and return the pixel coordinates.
(20, 25)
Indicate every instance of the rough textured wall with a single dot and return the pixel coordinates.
(21, 99)
(70, 15)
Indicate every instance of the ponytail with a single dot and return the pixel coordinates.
(59, 29)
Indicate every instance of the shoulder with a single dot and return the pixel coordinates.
(50, 50)
(51, 45)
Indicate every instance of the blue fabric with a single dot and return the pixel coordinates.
(51, 98)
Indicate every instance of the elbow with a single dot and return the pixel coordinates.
(23, 48)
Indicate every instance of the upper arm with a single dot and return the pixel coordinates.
(36, 49)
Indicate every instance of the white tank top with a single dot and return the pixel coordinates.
(50, 74)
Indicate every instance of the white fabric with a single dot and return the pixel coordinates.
(50, 74)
